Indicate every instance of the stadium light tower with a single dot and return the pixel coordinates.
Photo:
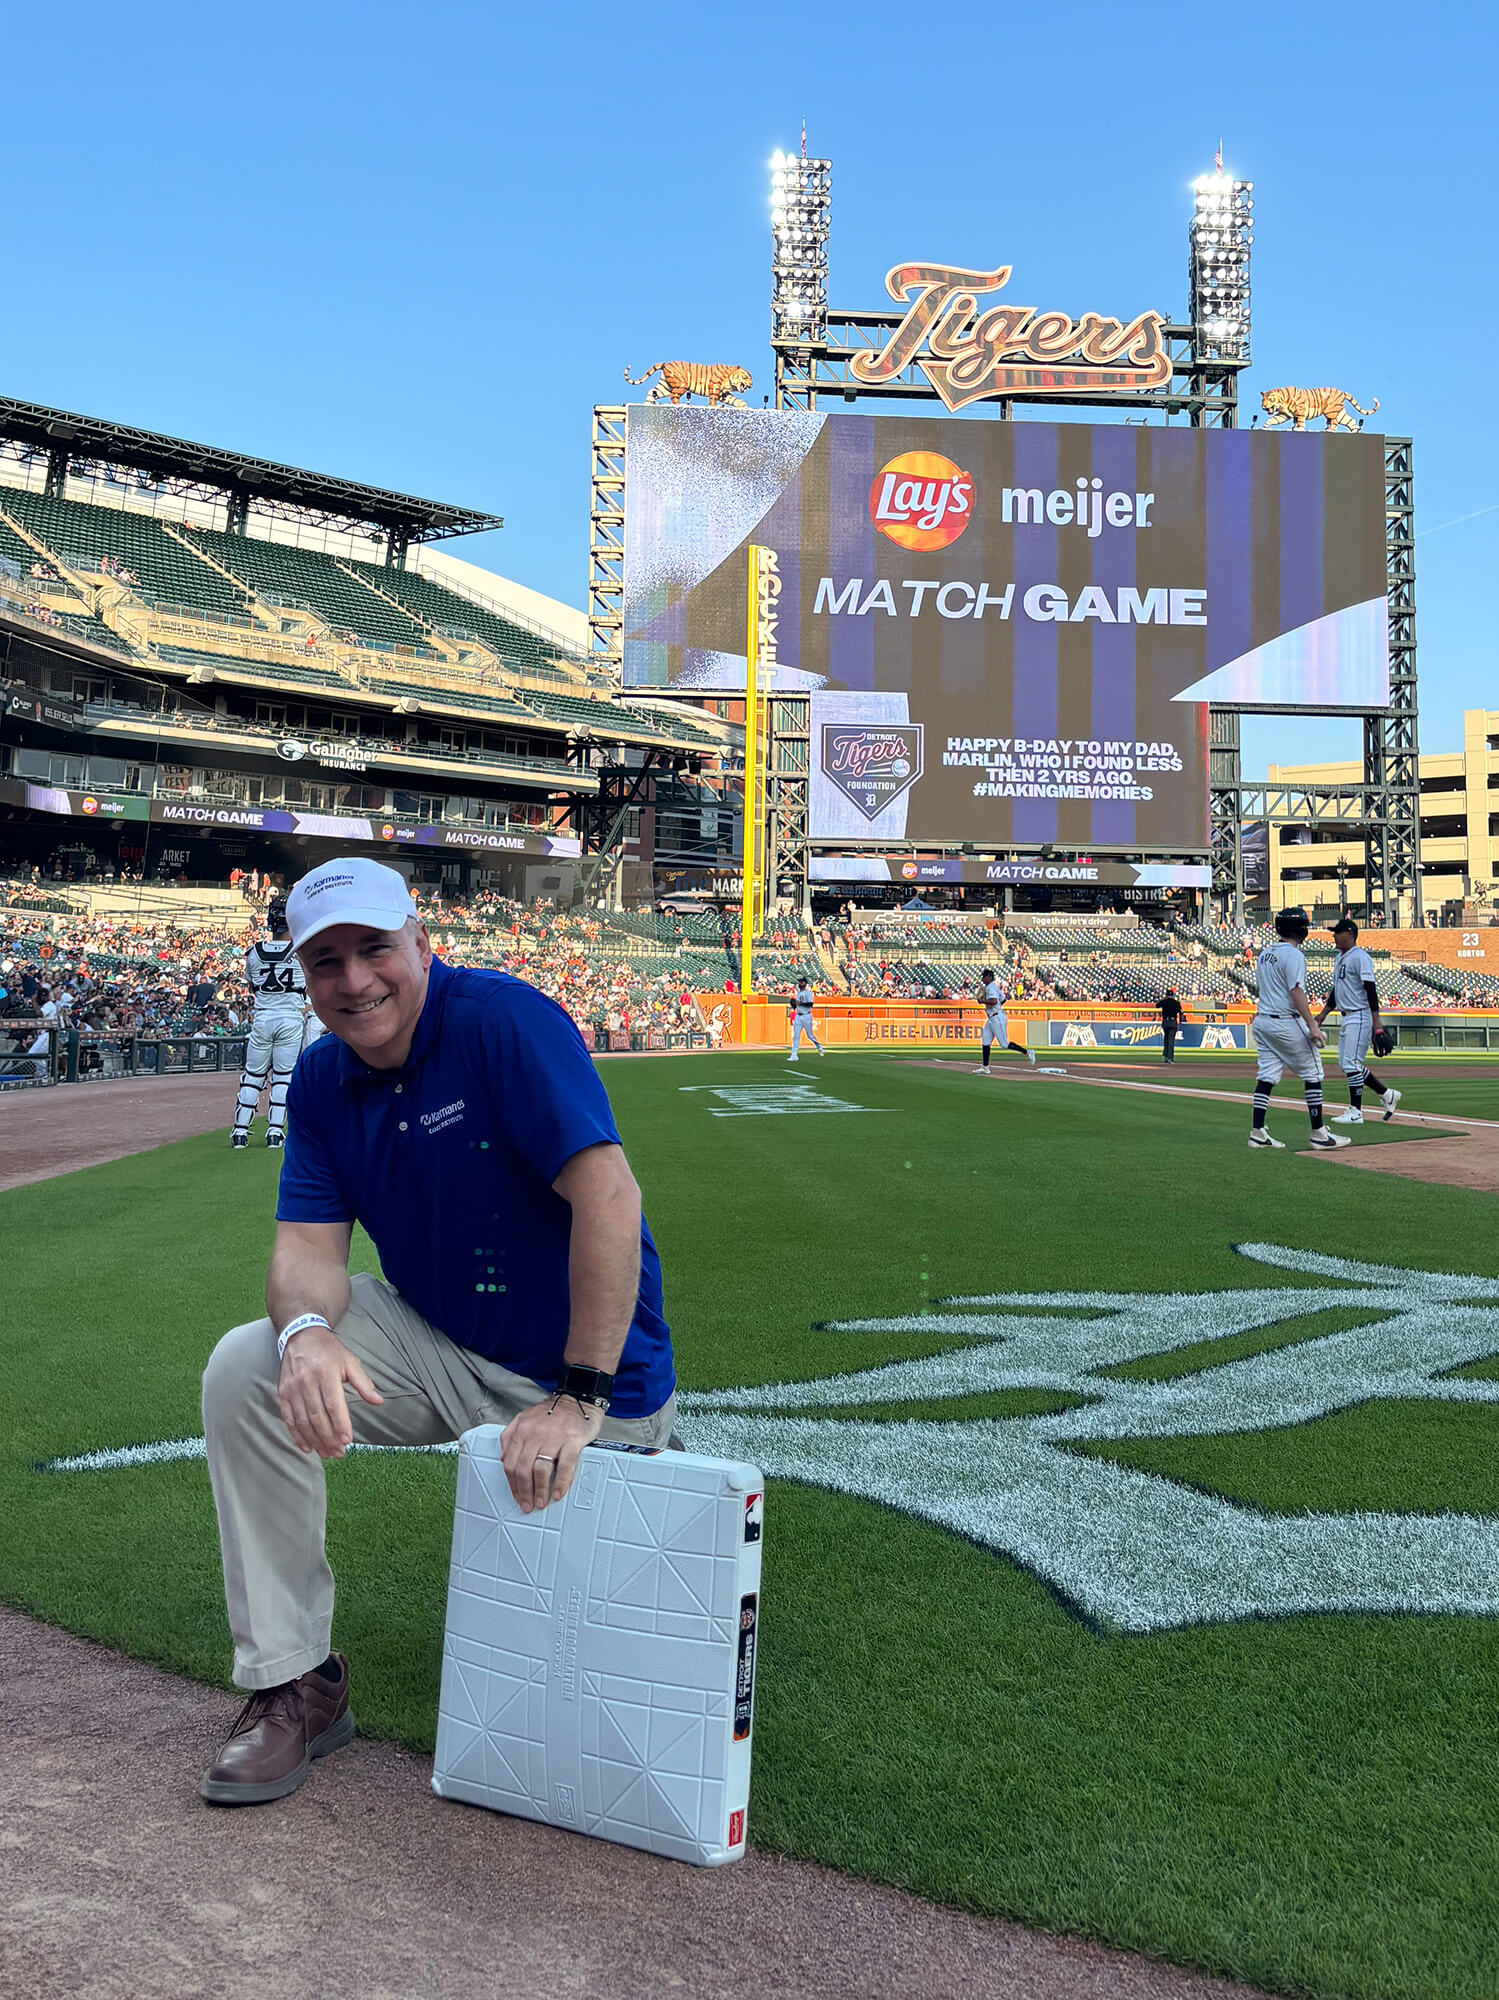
(1218, 265)
(800, 205)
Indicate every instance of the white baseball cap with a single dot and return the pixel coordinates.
(353, 891)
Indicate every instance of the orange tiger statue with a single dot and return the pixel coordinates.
(713, 380)
(1295, 406)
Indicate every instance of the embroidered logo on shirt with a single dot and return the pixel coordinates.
(438, 1121)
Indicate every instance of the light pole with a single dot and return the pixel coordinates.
(1342, 885)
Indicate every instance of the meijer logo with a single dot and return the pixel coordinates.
(921, 500)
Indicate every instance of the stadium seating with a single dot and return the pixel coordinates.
(610, 718)
(692, 927)
(928, 938)
(778, 971)
(1140, 984)
(59, 604)
(452, 616)
(236, 663)
(13, 549)
(165, 572)
(1399, 989)
(1067, 937)
(1481, 988)
(910, 979)
(53, 611)
(306, 577)
(496, 704)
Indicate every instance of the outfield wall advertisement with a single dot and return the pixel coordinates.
(1011, 631)
(1101, 1034)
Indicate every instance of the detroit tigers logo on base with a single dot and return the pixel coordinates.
(1130, 1551)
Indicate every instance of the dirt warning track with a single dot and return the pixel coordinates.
(61, 1127)
(115, 1880)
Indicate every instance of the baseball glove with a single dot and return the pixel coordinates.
(1383, 1043)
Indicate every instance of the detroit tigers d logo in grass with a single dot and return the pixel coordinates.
(1129, 1550)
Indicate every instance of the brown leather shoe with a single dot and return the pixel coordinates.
(277, 1735)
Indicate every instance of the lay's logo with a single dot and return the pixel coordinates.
(921, 500)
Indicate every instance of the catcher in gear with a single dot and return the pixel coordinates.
(1355, 995)
(1285, 1035)
(277, 1025)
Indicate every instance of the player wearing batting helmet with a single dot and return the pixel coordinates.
(457, 1116)
(1355, 994)
(1285, 1035)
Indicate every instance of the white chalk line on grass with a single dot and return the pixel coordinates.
(1213, 1096)
(169, 1450)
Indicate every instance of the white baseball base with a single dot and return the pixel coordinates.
(599, 1661)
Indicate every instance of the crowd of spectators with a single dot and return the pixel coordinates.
(603, 975)
(645, 975)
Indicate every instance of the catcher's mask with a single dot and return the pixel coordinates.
(275, 915)
(1292, 925)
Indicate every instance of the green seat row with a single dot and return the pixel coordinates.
(231, 663)
(81, 534)
(449, 613)
(308, 577)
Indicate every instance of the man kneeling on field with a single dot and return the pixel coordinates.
(459, 1118)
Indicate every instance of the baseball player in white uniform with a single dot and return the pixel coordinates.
(1355, 994)
(277, 1027)
(1285, 1035)
(996, 1028)
(801, 1021)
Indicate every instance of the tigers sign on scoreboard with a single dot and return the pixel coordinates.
(1011, 631)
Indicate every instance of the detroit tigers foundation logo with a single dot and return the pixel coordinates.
(872, 763)
(1129, 1551)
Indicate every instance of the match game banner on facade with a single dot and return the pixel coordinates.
(1037, 873)
(345, 827)
(1011, 631)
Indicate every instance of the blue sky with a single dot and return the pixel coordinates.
(415, 247)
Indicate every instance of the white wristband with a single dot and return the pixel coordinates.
(298, 1325)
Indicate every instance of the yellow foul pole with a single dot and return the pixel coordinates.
(750, 843)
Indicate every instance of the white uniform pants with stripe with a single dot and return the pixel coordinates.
(996, 1029)
(801, 1024)
(1283, 1044)
(1353, 1043)
(270, 1495)
(275, 1043)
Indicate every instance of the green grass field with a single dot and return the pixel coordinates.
(1306, 1801)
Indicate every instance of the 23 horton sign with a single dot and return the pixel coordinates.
(968, 351)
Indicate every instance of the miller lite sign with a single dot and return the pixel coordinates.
(872, 763)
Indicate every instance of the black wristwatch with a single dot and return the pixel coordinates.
(588, 1386)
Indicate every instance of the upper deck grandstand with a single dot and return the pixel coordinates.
(178, 623)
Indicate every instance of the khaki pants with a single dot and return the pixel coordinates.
(271, 1497)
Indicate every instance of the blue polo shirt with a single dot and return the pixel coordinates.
(449, 1161)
